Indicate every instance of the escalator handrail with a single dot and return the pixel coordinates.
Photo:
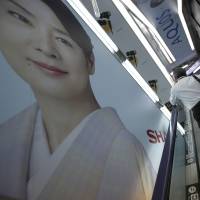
(162, 185)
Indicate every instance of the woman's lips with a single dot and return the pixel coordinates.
(52, 69)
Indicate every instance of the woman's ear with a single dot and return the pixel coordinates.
(91, 64)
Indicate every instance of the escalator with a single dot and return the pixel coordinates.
(178, 175)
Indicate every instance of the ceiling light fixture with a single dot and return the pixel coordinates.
(142, 39)
(96, 8)
(184, 24)
(185, 66)
(164, 48)
(92, 23)
(86, 16)
(134, 73)
(196, 70)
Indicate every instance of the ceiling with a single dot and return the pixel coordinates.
(127, 40)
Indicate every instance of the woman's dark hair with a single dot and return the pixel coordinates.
(68, 20)
(178, 72)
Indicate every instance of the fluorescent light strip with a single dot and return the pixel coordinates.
(185, 27)
(180, 128)
(142, 39)
(81, 10)
(134, 73)
(95, 8)
(93, 24)
(197, 69)
(184, 66)
(193, 67)
(167, 113)
(134, 9)
(141, 24)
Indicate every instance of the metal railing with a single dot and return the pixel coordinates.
(162, 185)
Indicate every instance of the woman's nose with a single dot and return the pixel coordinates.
(46, 45)
(46, 52)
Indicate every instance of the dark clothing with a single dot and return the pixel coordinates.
(196, 113)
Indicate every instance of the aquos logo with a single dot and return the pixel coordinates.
(156, 3)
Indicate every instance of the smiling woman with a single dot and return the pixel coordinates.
(50, 60)
(64, 146)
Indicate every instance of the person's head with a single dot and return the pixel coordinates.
(46, 45)
(178, 72)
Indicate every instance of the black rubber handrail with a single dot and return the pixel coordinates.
(163, 180)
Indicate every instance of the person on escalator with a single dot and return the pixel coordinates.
(186, 90)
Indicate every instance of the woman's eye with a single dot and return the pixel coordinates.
(20, 17)
(64, 41)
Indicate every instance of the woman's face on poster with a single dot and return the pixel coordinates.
(40, 50)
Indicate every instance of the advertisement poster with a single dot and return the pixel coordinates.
(163, 14)
(73, 123)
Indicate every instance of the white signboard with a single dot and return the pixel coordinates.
(163, 15)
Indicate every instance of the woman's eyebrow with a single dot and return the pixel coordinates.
(21, 7)
(61, 31)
